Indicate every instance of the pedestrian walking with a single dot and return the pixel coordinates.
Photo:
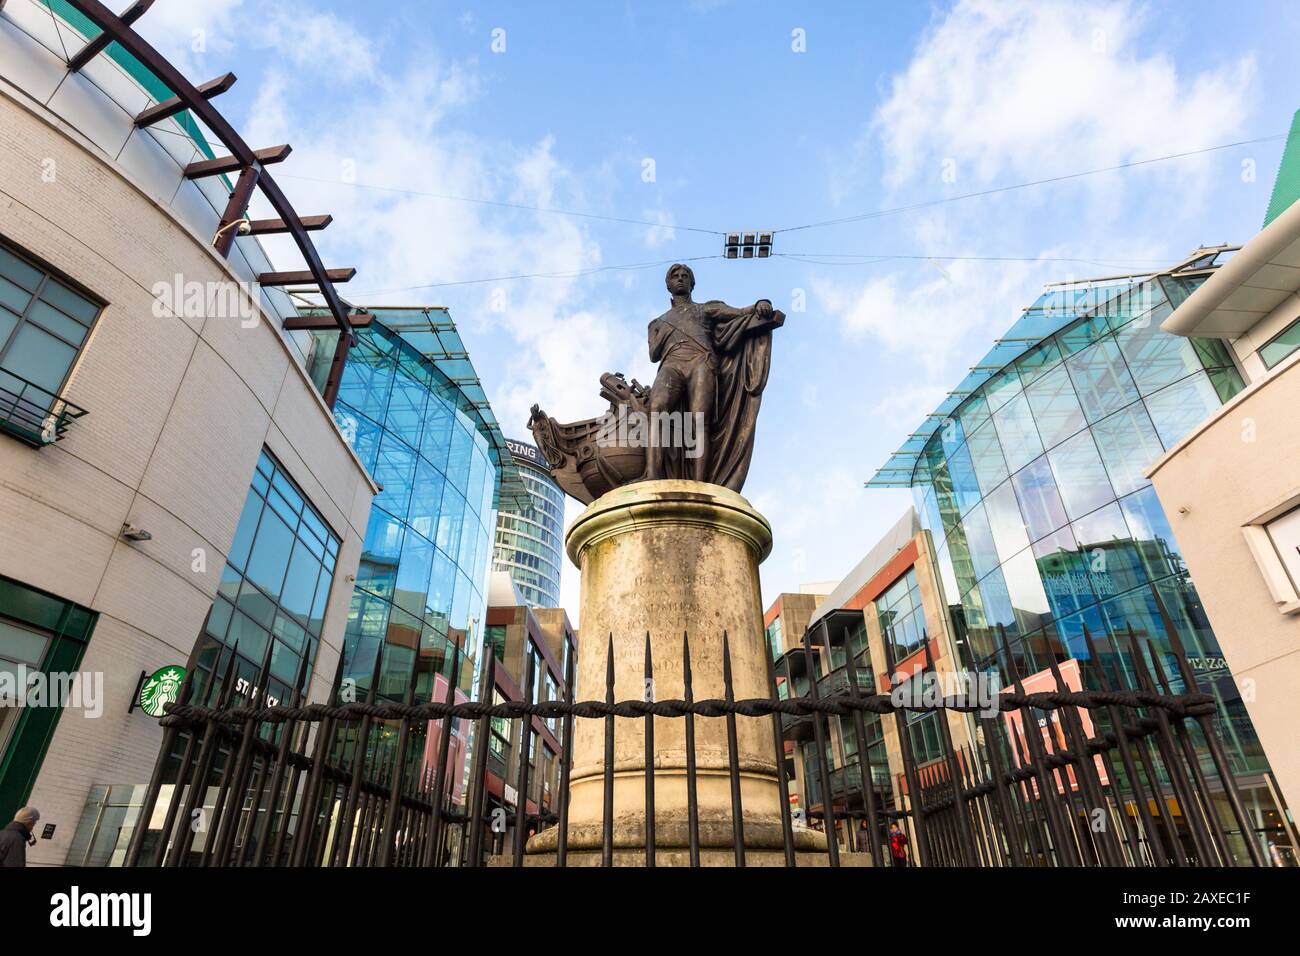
(17, 837)
(897, 845)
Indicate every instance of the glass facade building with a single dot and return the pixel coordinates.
(530, 541)
(273, 590)
(411, 408)
(1030, 480)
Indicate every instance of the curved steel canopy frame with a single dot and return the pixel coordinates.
(249, 162)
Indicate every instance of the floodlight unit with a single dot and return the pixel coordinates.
(747, 245)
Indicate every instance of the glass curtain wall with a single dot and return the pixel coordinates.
(273, 591)
(421, 582)
(1042, 520)
(421, 585)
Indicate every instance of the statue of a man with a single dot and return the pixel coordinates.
(713, 364)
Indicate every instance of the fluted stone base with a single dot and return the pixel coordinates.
(672, 558)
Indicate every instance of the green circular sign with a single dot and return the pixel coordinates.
(161, 688)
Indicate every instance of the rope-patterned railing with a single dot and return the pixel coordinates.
(1180, 706)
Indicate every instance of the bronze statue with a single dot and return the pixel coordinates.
(696, 421)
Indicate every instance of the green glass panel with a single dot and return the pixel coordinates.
(284, 663)
(8, 322)
(395, 473)
(1213, 352)
(1281, 345)
(413, 571)
(246, 530)
(256, 604)
(40, 358)
(1226, 381)
(248, 636)
(1018, 433)
(1113, 557)
(300, 583)
(973, 413)
(19, 272)
(1040, 499)
(1148, 525)
(979, 538)
(70, 302)
(323, 583)
(1029, 603)
(377, 571)
(13, 297)
(271, 551)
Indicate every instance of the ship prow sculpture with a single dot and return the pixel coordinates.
(695, 422)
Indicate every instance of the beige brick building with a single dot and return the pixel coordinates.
(181, 403)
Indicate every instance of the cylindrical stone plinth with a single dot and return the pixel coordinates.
(671, 558)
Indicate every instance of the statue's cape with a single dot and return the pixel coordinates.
(744, 346)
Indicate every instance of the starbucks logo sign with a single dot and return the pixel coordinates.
(161, 688)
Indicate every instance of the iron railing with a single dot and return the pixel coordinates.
(34, 415)
(344, 784)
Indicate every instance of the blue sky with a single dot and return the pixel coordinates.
(568, 105)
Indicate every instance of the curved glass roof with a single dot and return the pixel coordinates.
(1057, 307)
(430, 331)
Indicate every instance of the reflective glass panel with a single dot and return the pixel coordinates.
(1055, 407)
(1080, 475)
(1017, 432)
(1178, 409)
(1101, 379)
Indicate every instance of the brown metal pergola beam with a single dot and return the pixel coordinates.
(236, 206)
(295, 278)
(230, 164)
(96, 46)
(263, 227)
(160, 111)
(119, 30)
(320, 323)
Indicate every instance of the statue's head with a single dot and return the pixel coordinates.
(680, 279)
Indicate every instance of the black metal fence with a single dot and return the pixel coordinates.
(369, 783)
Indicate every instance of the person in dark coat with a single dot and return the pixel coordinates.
(15, 838)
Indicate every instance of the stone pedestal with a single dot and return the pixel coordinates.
(671, 558)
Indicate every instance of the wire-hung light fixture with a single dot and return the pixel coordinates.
(747, 245)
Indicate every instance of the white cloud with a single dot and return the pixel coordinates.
(193, 35)
(927, 314)
(1006, 91)
(662, 234)
(396, 138)
(378, 148)
(1022, 88)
